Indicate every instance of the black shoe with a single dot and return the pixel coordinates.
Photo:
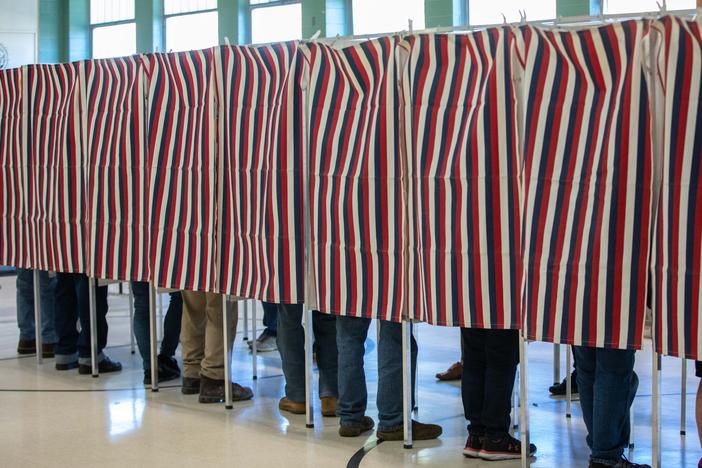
(420, 431)
(104, 367)
(27, 347)
(623, 463)
(474, 444)
(167, 370)
(191, 386)
(212, 391)
(504, 448)
(356, 429)
(560, 389)
(69, 366)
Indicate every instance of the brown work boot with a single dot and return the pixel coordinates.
(26, 347)
(191, 386)
(420, 431)
(47, 350)
(328, 406)
(452, 373)
(356, 429)
(212, 391)
(294, 407)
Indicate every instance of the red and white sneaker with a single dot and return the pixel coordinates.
(505, 448)
(473, 446)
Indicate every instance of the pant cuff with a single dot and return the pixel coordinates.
(65, 358)
(88, 361)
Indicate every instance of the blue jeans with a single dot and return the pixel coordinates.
(73, 304)
(351, 334)
(25, 305)
(607, 384)
(270, 318)
(291, 345)
(142, 329)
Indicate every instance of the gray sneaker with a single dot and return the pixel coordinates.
(265, 343)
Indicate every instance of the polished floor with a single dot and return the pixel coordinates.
(55, 419)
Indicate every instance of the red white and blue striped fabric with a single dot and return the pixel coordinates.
(588, 181)
(55, 179)
(117, 168)
(677, 258)
(12, 215)
(261, 117)
(182, 189)
(463, 174)
(356, 177)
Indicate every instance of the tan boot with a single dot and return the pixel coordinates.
(328, 407)
(290, 406)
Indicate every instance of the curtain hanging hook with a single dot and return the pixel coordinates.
(504, 19)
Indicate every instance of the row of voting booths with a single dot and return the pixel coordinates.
(541, 178)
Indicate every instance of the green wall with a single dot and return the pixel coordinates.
(64, 25)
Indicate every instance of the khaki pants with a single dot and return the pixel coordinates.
(201, 336)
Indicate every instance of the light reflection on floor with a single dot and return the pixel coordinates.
(48, 418)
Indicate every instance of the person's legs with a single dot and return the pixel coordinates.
(83, 302)
(65, 320)
(270, 318)
(501, 359)
(390, 375)
(586, 383)
(171, 325)
(473, 378)
(351, 333)
(47, 295)
(614, 391)
(140, 292)
(327, 354)
(291, 346)
(25, 310)
(698, 404)
(192, 333)
(213, 363)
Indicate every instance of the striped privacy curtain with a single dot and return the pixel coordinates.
(356, 176)
(54, 173)
(588, 185)
(460, 119)
(260, 134)
(182, 188)
(13, 220)
(117, 168)
(677, 258)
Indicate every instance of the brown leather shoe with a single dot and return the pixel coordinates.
(452, 373)
(47, 350)
(328, 407)
(294, 407)
(26, 347)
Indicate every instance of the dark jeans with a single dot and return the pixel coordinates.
(25, 305)
(489, 368)
(270, 318)
(291, 345)
(171, 323)
(351, 334)
(607, 385)
(73, 304)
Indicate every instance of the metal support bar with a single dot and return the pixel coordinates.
(683, 396)
(656, 411)
(514, 414)
(557, 364)
(152, 338)
(227, 319)
(407, 382)
(254, 350)
(93, 326)
(159, 322)
(569, 383)
(131, 319)
(309, 407)
(246, 319)
(415, 390)
(37, 318)
(631, 428)
(523, 403)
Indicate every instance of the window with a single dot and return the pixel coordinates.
(382, 16)
(491, 11)
(274, 21)
(614, 7)
(113, 30)
(191, 24)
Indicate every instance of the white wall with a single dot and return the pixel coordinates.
(19, 24)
